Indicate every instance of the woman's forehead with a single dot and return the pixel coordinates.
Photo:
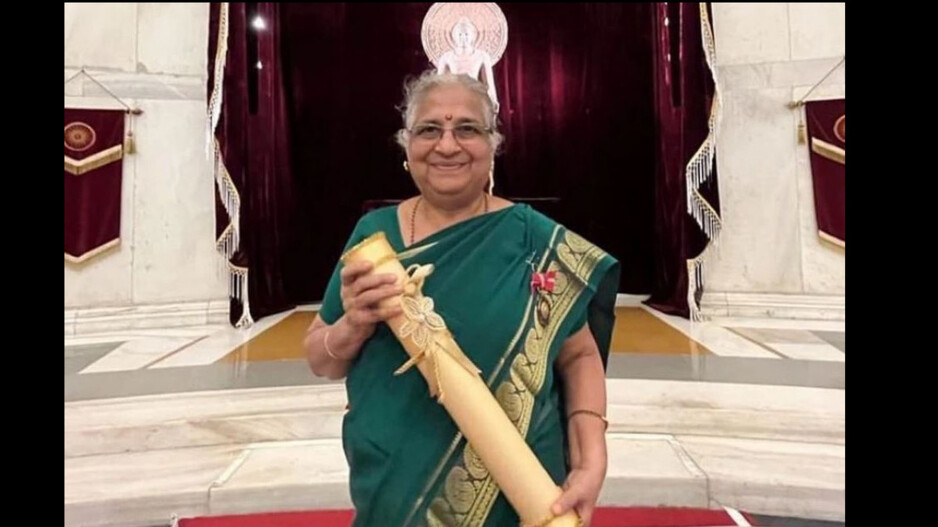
(454, 100)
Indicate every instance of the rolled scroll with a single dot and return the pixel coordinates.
(455, 381)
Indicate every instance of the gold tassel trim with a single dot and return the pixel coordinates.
(699, 169)
(81, 166)
(130, 146)
(93, 252)
(832, 239)
(829, 151)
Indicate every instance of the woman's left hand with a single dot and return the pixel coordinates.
(580, 492)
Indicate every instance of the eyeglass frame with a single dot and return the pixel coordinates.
(484, 132)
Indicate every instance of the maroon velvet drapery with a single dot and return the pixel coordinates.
(308, 139)
(686, 194)
(255, 228)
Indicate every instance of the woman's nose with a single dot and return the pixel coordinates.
(448, 144)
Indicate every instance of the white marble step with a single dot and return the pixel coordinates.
(288, 476)
(777, 478)
(790, 413)
(315, 412)
(202, 419)
(142, 488)
(648, 470)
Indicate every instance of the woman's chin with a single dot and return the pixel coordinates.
(455, 183)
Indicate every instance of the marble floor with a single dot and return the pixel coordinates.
(746, 414)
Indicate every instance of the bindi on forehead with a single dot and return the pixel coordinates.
(450, 104)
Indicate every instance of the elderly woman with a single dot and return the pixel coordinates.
(529, 302)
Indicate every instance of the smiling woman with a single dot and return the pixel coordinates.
(529, 303)
(450, 140)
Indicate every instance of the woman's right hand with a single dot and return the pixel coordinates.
(361, 295)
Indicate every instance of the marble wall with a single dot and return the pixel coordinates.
(152, 55)
(768, 55)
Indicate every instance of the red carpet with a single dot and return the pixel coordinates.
(604, 517)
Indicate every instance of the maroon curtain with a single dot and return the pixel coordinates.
(577, 111)
(254, 137)
(578, 101)
(684, 92)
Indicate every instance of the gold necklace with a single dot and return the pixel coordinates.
(413, 214)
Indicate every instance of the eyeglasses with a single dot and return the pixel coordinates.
(463, 132)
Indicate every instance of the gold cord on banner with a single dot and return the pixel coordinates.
(130, 146)
(797, 105)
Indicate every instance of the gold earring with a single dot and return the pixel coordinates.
(492, 179)
(406, 166)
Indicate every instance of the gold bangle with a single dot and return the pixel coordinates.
(325, 344)
(589, 412)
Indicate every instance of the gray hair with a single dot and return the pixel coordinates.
(416, 89)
